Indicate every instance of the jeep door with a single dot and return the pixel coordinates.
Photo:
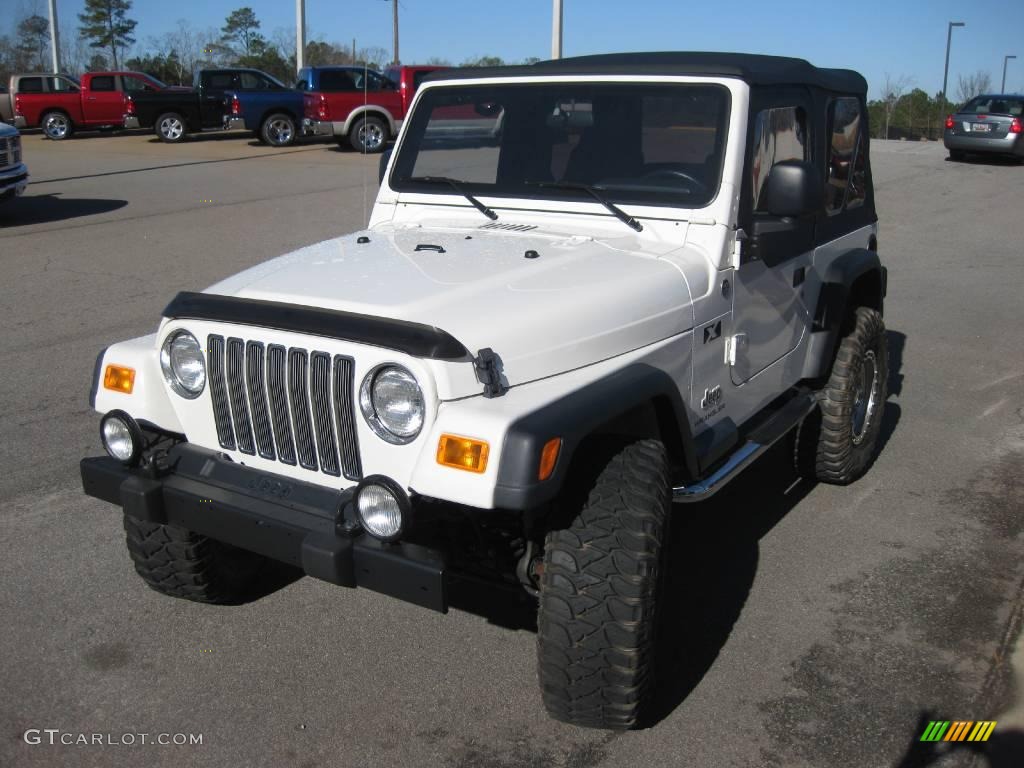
(769, 314)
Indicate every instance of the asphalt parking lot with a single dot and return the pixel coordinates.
(813, 625)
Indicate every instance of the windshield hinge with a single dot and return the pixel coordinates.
(487, 366)
(737, 248)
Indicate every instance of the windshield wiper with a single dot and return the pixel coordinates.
(456, 184)
(620, 214)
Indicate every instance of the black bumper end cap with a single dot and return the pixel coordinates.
(143, 499)
(328, 558)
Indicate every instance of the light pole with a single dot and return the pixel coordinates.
(945, 74)
(55, 39)
(556, 30)
(1002, 88)
(300, 34)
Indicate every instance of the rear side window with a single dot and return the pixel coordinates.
(103, 83)
(254, 82)
(219, 80)
(30, 85)
(845, 185)
(417, 77)
(780, 134)
(336, 80)
(135, 84)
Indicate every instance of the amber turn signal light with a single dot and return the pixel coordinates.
(462, 453)
(119, 378)
(549, 457)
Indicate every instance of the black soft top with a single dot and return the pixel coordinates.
(751, 68)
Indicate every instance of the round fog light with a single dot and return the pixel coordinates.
(383, 508)
(122, 438)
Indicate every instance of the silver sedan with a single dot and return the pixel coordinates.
(989, 124)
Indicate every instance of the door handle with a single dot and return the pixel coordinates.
(90, 98)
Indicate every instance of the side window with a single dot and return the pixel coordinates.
(134, 84)
(845, 184)
(62, 85)
(253, 82)
(780, 134)
(336, 80)
(220, 81)
(30, 85)
(103, 83)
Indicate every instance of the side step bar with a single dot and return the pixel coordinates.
(759, 441)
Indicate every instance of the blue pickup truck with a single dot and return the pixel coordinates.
(274, 115)
(335, 97)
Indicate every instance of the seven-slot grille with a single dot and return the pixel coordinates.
(10, 151)
(284, 404)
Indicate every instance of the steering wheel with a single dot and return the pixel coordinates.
(667, 173)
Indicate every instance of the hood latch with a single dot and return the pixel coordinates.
(487, 366)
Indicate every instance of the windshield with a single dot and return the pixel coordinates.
(657, 144)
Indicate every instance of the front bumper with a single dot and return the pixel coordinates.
(234, 123)
(1011, 144)
(312, 127)
(13, 181)
(287, 520)
(20, 121)
(131, 121)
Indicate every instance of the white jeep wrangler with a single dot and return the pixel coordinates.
(589, 288)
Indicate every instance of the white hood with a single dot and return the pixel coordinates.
(579, 301)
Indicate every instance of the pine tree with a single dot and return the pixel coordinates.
(106, 25)
(33, 40)
(241, 27)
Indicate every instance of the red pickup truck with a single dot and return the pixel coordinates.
(59, 104)
(356, 104)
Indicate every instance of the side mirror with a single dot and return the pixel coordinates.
(793, 189)
(384, 159)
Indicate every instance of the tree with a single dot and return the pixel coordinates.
(892, 91)
(98, 63)
(484, 61)
(106, 25)
(241, 28)
(33, 41)
(969, 87)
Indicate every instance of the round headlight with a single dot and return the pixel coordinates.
(392, 404)
(122, 438)
(181, 360)
(382, 508)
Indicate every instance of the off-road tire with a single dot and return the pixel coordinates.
(599, 588)
(177, 562)
(175, 130)
(840, 454)
(371, 129)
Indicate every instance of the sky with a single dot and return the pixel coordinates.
(901, 38)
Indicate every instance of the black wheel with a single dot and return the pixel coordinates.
(177, 562)
(278, 130)
(171, 127)
(369, 134)
(842, 437)
(956, 155)
(599, 588)
(56, 125)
